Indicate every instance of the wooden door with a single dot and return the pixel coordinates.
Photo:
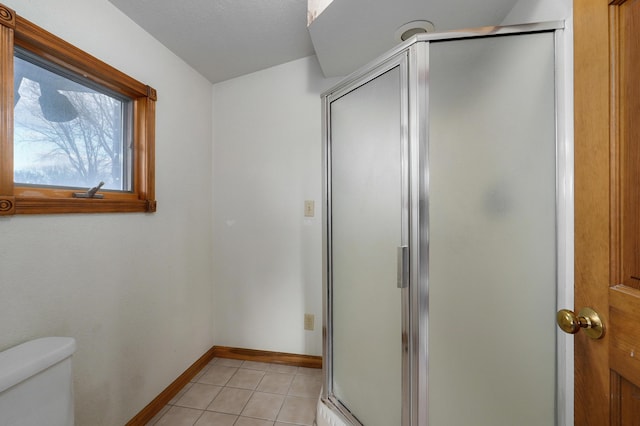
(607, 208)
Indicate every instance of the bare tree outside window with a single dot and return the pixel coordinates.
(67, 134)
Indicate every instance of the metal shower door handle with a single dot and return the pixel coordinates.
(403, 266)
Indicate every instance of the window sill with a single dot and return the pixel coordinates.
(45, 205)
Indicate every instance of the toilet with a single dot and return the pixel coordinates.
(36, 386)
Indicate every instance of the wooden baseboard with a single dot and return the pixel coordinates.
(309, 361)
(154, 407)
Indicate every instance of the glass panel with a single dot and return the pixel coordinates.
(492, 253)
(366, 231)
(66, 133)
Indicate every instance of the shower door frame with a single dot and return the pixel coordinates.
(401, 61)
(412, 57)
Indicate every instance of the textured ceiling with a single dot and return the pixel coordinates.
(223, 39)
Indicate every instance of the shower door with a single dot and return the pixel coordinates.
(367, 195)
(441, 235)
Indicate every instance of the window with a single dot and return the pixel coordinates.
(66, 133)
(68, 123)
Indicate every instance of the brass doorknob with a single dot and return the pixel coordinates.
(587, 318)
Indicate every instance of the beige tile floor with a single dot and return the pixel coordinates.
(230, 392)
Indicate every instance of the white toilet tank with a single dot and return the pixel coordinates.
(36, 386)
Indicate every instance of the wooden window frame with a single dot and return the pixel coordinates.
(16, 199)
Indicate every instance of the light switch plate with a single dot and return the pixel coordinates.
(309, 320)
(309, 208)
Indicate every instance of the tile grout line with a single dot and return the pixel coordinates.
(285, 396)
(255, 390)
(267, 368)
(248, 399)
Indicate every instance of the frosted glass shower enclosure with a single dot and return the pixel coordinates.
(440, 234)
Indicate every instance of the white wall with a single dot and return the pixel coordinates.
(531, 11)
(267, 255)
(133, 289)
